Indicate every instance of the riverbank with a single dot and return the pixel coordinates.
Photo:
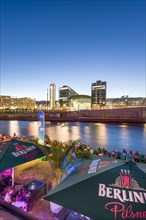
(118, 115)
(70, 119)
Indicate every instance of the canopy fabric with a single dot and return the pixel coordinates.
(115, 192)
(15, 152)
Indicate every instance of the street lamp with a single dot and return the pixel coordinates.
(47, 99)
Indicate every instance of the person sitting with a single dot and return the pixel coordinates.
(124, 152)
(19, 196)
(20, 204)
(8, 196)
(136, 156)
(130, 155)
(8, 180)
(113, 153)
(118, 156)
(26, 195)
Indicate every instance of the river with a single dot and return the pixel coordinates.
(110, 136)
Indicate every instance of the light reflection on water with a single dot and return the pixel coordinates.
(12, 125)
(110, 136)
(63, 133)
(33, 129)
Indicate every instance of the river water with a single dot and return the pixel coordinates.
(110, 136)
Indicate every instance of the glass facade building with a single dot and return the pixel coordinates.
(79, 102)
(98, 94)
(64, 93)
(126, 101)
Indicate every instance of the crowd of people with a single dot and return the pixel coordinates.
(17, 198)
(136, 156)
(4, 137)
(124, 155)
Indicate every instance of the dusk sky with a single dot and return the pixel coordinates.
(74, 43)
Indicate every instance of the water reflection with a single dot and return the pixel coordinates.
(33, 129)
(102, 134)
(110, 136)
(123, 125)
(14, 128)
(124, 136)
(63, 133)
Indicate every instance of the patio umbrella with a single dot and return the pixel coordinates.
(15, 152)
(104, 189)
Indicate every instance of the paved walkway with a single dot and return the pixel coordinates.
(7, 214)
(40, 211)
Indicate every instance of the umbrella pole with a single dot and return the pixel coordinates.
(13, 177)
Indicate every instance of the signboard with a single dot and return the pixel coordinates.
(93, 166)
(41, 127)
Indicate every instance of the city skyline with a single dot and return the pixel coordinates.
(72, 43)
(48, 95)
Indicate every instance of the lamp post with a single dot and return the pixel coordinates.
(47, 99)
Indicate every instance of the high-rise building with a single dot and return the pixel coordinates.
(64, 93)
(52, 95)
(98, 94)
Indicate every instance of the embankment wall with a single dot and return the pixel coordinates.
(133, 115)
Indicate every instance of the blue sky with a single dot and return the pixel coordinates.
(74, 43)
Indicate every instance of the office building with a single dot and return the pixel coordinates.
(52, 95)
(98, 94)
(79, 102)
(9, 102)
(64, 93)
(125, 101)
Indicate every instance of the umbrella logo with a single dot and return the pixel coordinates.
(24, 151)
(18, 146)
(126, 178)
(125, 189)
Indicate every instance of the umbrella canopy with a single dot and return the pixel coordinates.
(15, 152)
(104, 189)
